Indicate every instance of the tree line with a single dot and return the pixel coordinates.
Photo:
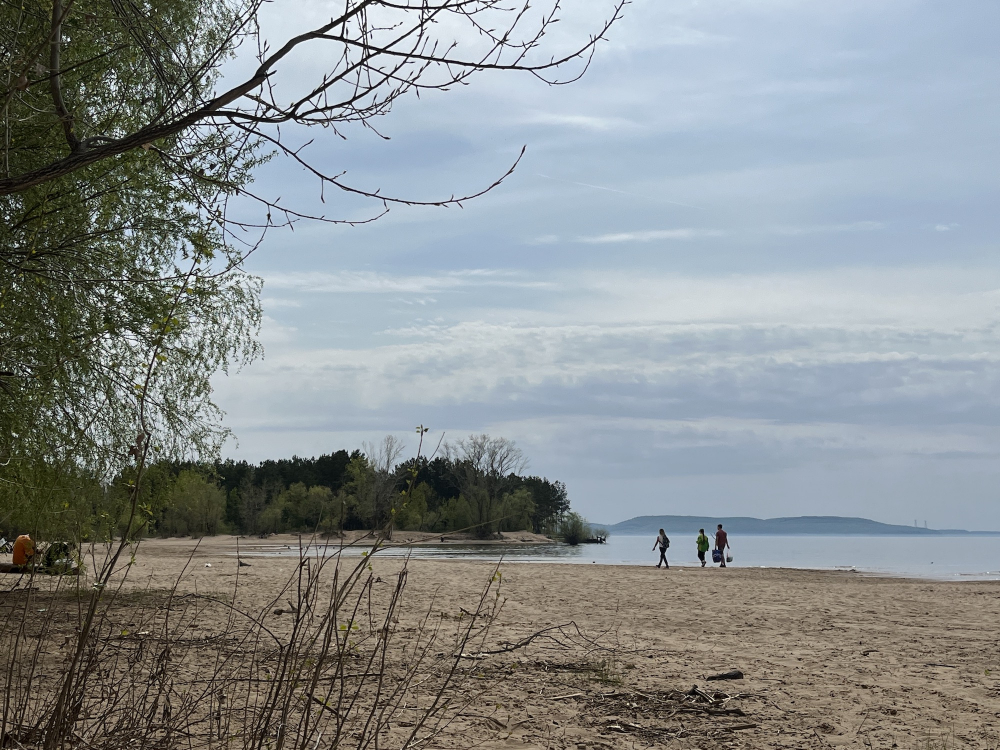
(478, 484)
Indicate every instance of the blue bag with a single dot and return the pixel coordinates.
(716, 555)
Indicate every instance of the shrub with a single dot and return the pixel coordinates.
(573, 528)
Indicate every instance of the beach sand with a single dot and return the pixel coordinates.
(829, 658)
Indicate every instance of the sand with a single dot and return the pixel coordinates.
(829, 658)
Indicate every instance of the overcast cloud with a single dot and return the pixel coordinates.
(748, 266)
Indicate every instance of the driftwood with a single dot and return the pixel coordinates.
(734, 674)
(668, 715)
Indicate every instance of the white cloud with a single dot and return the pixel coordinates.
(371, 282)
(544, 239)
(586, 122)
(857, 226)
(651, 235)
(276, 302)
(689, 233)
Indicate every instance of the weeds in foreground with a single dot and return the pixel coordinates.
(172, 669)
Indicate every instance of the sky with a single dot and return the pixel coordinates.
(747, 266)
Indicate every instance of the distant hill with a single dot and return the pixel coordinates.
(798, 525)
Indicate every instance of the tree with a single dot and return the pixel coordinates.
(485, 468)
(375, 481)
(252, 501)
(120, 290)
(196, 507)
(516, 510)
(551, 501)
(123, 147)
(55, 57)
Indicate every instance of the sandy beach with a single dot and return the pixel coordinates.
(829, 658)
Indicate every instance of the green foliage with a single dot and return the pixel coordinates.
(55, 502)
(455, 514)
(573, 528)
(327, 494)
(551, 501)
(120, 292)
(413, 513)
(305, 508)
(486, 469)
(516, 510)
(195, 507)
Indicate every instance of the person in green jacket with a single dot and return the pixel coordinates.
(703, 545)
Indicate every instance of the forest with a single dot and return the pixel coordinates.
(477, 484)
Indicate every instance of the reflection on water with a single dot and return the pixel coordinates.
(943, 557)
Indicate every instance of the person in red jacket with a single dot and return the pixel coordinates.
(721, 543)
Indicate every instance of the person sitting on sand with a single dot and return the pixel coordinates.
(703, 545)
(24, 551)
(721, 542)
(663, 543)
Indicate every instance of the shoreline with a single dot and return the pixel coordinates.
(517, 548)
(285, 546)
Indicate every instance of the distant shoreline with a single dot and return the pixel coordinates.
(933, 534)
(786, 526)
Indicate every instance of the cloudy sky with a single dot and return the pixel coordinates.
(747, 266)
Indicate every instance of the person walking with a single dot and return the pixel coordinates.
(703, 545)
(663, 542)
(721, 543)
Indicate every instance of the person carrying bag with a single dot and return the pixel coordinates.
(721, 543)
(663, 542)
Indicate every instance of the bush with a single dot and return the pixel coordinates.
(573, 528)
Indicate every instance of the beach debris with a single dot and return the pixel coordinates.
(869, 651)
(668, 715)
(492, 721)
(208, 565)
(733, 674)
(623, 726)
(242, 564)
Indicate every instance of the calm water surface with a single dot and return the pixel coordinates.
(945, 557)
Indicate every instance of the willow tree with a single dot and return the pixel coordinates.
(123, 147)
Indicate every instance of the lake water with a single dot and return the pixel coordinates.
(940, 557)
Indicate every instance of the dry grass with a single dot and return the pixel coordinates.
(323, 664)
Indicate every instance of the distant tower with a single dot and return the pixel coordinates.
(925, 524)
(914, 523)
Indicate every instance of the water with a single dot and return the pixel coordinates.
(940, 557)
